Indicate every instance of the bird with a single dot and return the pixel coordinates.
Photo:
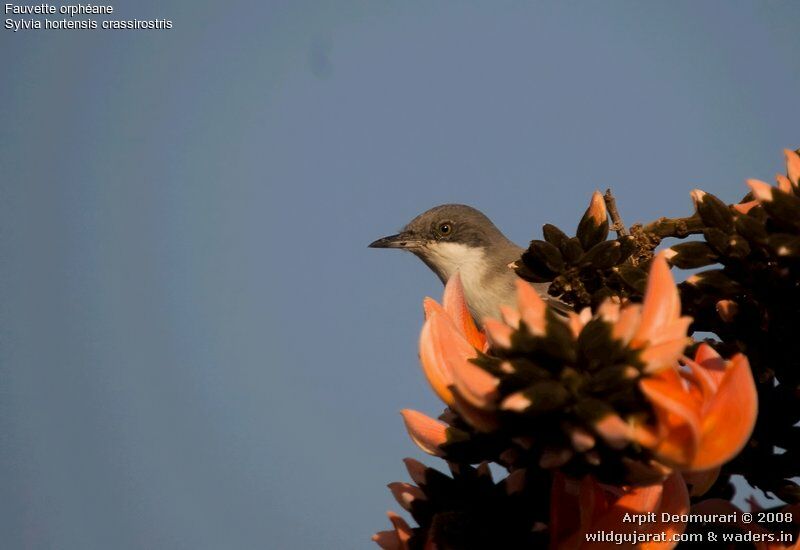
(456, 238)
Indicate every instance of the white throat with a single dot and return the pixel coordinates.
(483, 293)
(446, 258)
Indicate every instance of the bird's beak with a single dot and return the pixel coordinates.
(406, 239)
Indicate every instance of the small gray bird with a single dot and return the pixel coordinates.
(455, 237)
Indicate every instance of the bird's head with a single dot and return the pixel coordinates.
(450, 237)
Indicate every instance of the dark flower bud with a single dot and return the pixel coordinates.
(603, 255)
(548, 255)
(719, 240)
(727, 310)
(691, 255)
(713, 211)
(750, 228)
(554, 235)
(785, 244)
(593, 227)
(714, 281)
(572, 250)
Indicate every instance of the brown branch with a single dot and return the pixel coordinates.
(675, 227)
(616, 220)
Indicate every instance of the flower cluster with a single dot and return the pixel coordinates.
(591, 393)
(613, 408)
(749, 298)
(467, 510)
(602, 406)
(586, 269)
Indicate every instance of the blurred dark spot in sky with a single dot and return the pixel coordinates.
(319, 57)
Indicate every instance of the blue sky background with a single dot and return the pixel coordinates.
(197, 350)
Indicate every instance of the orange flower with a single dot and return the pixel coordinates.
(705, 412)
(762, 191)
(450, 341)
(586, 507)
(448, 335)
(429, 434)
(397, 538)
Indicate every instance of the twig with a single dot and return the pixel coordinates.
(616, 221)
(675, 227)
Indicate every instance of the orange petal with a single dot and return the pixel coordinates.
(678, 416)
(697, 196)
(661, 302)
(644, 435)
(674, 501)
(428, 434)
(597, 208)
(625, 327)
(429, 306)
(517, 402)
(635, 500)
(708, 358)
(702, 386)
(706, 370)
(565, 507)
(727, 310)
(499, 333)
(664, 355)
(670, 497)
(474, 384)
(531, 307)
(480, 419)
(784, 184)
(405, 493)
(600, 509)
(388, 540)
(443, 350)
(792, 165)
(437, 333)
(674, 330)
(574, 506)
(455, 304)
(575, 323)
(581, 440)
(615, 431)
(745, 207)
(510, 316)
(401, 527)
(416, 470)
(729, 419)
(761, 191)
(609, 310)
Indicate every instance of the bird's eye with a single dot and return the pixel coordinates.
(445, 228)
